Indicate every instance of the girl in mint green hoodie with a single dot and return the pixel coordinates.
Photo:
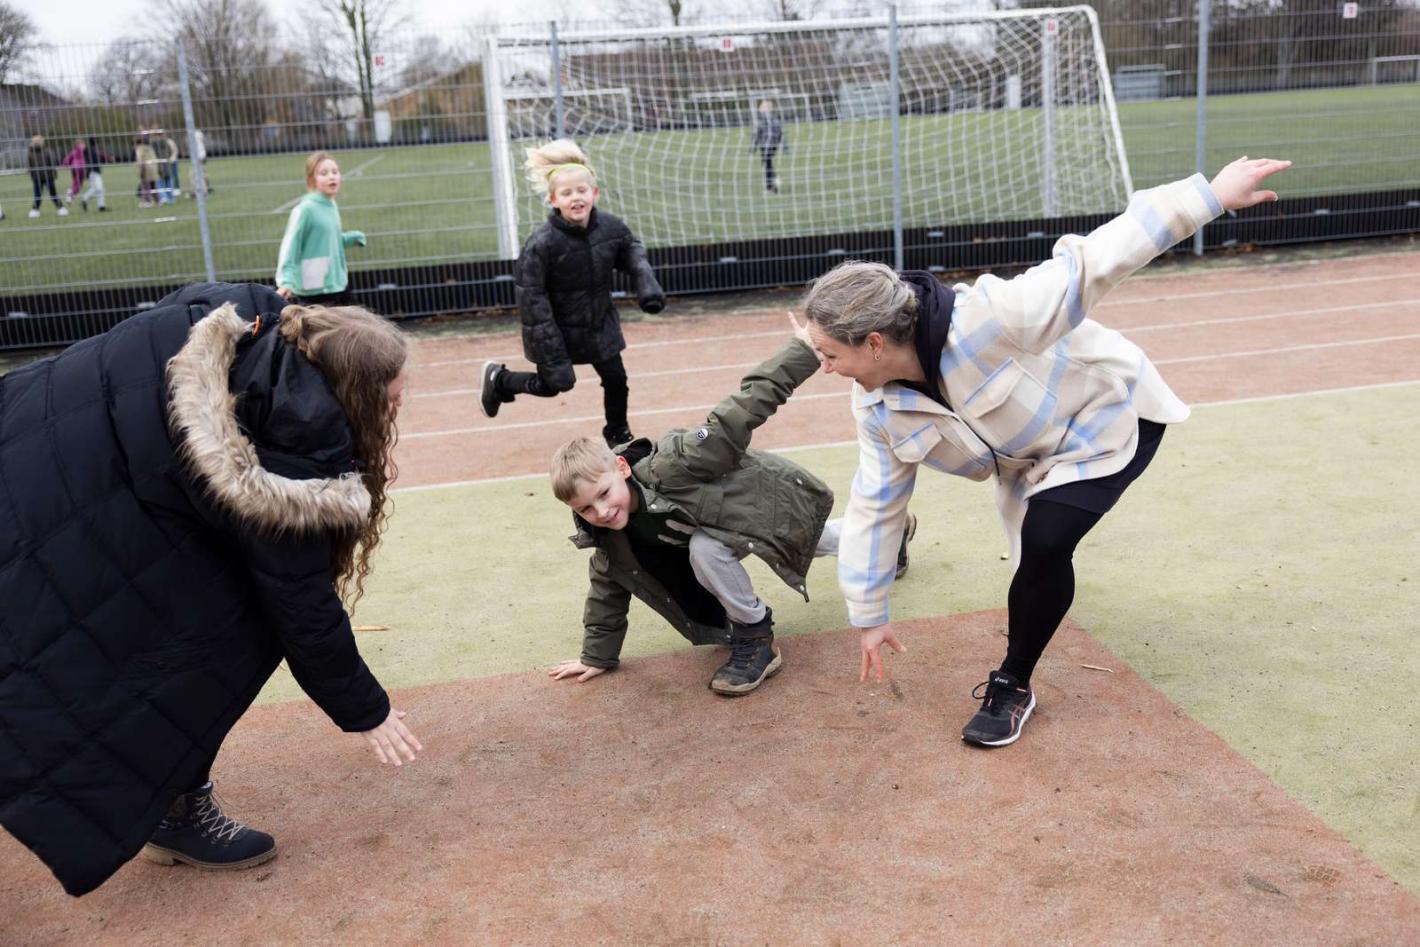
(311, 265)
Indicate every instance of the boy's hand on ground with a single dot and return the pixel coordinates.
(1236, 185)
(392, 740)
(871, 640)
(574, 667)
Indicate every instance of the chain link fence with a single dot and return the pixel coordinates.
(919, 144)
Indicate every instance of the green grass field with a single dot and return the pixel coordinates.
(431, 204)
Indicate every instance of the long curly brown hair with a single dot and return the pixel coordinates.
(359, 353)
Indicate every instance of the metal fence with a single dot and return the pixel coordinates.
(918, 143)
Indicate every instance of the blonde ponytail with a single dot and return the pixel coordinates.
(547, 161)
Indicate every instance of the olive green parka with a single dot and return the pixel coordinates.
(756, 503)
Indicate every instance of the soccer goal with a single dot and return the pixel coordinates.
(1004, 115)
(585, 112)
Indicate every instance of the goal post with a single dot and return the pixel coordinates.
(1001, 115)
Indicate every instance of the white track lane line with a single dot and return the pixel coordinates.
(1260, 399)
(1281, 287)
(1159, 327)
(557, 422)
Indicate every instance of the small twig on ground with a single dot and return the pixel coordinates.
(1096, 667)
(371, 628)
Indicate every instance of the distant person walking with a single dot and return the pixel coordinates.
(42, 161)
(310, 267)
(166, 151)
(97, 158)
(767, 141)
(199, 162)
(77, 161)
(147, 163)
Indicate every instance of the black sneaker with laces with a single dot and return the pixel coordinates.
(907, 535)
(1005, 708)
(753, 658)
(197, 832)
(489, 398)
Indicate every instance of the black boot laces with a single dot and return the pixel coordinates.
(213, 822)
(742, 651)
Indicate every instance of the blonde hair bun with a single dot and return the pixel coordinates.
(544, 161)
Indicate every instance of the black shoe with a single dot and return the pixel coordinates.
(1005, 708)
(907, 535)
(753, 658)
(616, 436)
(489, 398)
(84, 204)
(196, 832)
(103, 210)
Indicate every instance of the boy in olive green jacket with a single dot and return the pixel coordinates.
(670, 521)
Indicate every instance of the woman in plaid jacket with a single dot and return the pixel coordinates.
(1006, 380)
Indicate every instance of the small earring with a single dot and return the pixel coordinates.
(877, 356)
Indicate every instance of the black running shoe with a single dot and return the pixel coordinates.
(1005, 708)
(197, 832)
(753, 658)
(489, 398)
(907, 535)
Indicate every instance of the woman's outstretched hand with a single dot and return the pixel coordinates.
(1236, 185)
(872, 640)
(392, 740)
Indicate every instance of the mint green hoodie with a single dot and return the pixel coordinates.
(312, 258)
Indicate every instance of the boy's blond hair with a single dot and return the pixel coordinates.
(582, 458)
(544, 162)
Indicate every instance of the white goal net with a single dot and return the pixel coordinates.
(716, 134)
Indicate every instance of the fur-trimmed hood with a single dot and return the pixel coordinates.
(202, 414)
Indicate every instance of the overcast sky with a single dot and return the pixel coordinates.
(99, 21)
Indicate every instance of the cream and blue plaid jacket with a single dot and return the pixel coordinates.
(1043, 396)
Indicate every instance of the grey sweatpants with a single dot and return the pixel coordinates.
(720, 571)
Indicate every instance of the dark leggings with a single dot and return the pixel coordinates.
(615, 392)
(767, 156)
(39, 184)
(1044, 584)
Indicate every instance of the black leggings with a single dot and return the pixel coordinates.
(767, 156)
(1044, 584)
(615, 392)
(1055, 522)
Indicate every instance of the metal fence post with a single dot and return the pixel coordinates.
(560, 116)
(1200, 147)
(199, 173)
(895, 95)
(1048, 30)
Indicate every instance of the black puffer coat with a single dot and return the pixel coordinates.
(147, 593)
(564, 282)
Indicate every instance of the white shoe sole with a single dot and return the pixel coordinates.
(1010, 739)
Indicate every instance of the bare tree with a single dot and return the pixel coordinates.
(229, 53)
(17, 33)
(366, 23)
(125, 73)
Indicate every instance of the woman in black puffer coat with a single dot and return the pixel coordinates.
(563, 283)
(182, 501)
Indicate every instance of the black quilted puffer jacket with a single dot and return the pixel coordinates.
(564, 283)
(161, 550)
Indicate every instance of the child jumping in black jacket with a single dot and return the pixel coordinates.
(563, 284)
